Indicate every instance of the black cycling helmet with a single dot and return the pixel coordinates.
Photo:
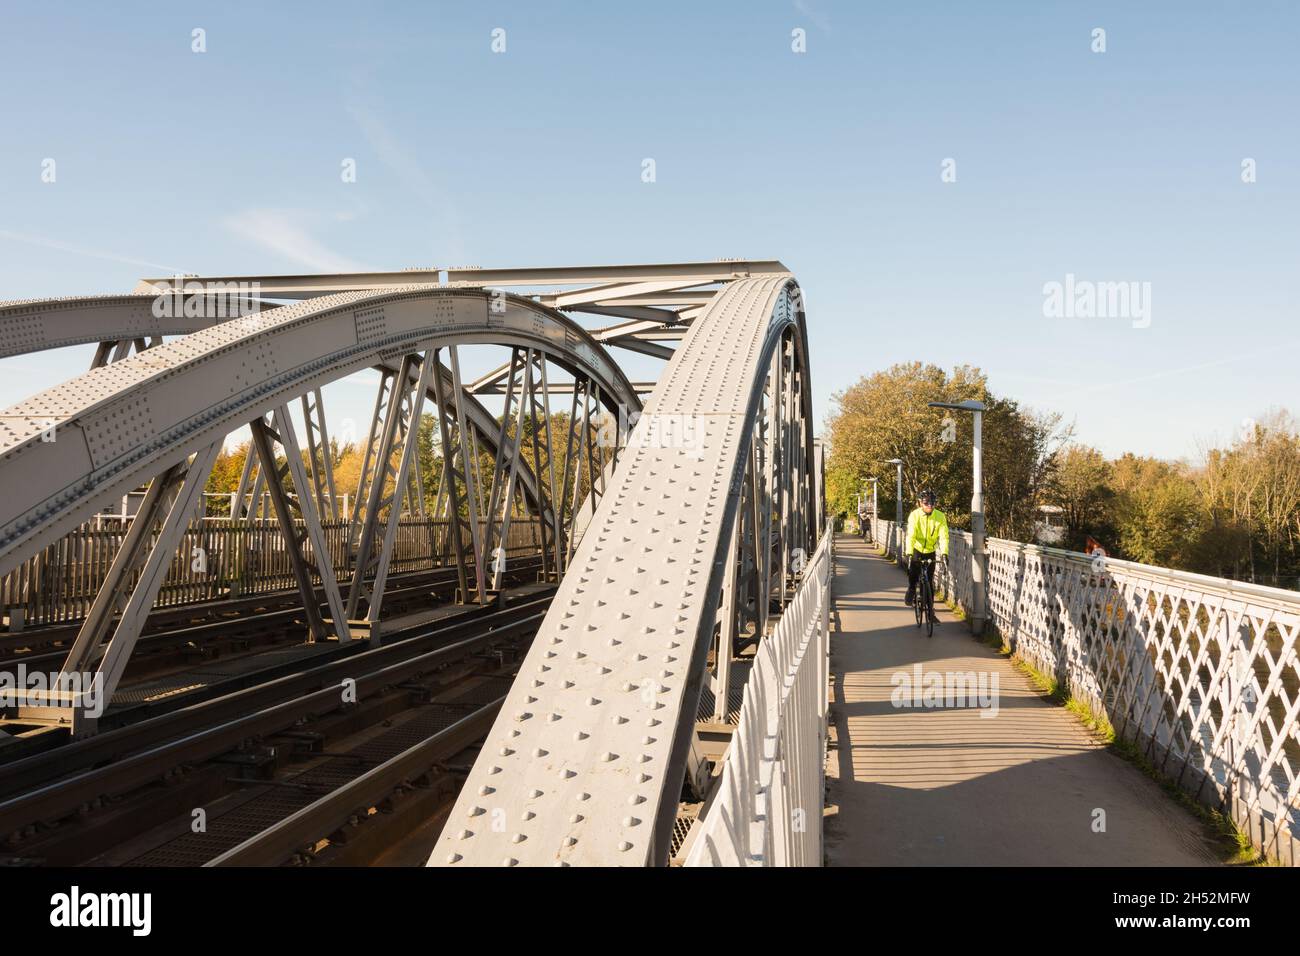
(926, 497)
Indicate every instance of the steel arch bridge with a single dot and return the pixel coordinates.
(690, 539)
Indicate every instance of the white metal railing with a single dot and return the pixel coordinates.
(1200, 673)
(768, 808)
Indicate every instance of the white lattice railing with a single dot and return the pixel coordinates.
(1201, 673)
(768, 808)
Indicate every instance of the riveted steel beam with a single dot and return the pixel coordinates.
(98, 656)
(67, 451)
(587, 759)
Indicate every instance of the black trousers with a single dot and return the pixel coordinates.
(914, 571)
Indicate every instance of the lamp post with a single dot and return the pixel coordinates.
(875, 508)
(898, 511)
(979, 560)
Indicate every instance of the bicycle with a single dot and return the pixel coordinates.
(924, 603)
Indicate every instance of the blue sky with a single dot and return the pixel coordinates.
(1115, 166)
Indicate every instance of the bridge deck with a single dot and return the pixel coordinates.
(947, 786)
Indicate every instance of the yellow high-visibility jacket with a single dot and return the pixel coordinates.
(927, 533)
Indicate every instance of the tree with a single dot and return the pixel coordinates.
(1158, 514)
(886, 416)
(1081, 486)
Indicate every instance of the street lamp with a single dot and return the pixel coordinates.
(898, 510)
(979, 560)
(875, 509)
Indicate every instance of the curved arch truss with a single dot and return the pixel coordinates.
(674, 545)
(697, 544)
(161, 416)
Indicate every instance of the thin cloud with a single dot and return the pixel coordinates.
(83, 251)
(412, 175)
(819, 20)
(279, 232)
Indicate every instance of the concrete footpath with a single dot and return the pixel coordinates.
(1003, 779)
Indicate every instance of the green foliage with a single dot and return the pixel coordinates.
(886, 416)
(1236, 514)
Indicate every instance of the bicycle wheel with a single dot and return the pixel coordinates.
(929, 611)
(918, 602)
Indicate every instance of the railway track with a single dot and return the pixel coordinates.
(260, 618)
(182, 665)
(69, 805)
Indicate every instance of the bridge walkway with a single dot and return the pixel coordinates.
(1009, 779)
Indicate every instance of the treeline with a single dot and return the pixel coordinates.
(1235, 513)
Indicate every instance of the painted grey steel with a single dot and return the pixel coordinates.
(107, 637)
(119, 323)
(586, 762)
(401, 475)
(320, 454)
(120, 424)
(115, 427)
(265, 438)
(33, 325)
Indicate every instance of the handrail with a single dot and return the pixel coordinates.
(768, 808)
(1201, 673)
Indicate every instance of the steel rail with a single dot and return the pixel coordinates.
(123, 749)
(274, 844)
(60, 798)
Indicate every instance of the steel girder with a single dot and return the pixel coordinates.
(99, 654)
(33, 325)
(120, 323)
(586, 761)
(68, 450)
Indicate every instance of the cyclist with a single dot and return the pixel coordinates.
(927, 531)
